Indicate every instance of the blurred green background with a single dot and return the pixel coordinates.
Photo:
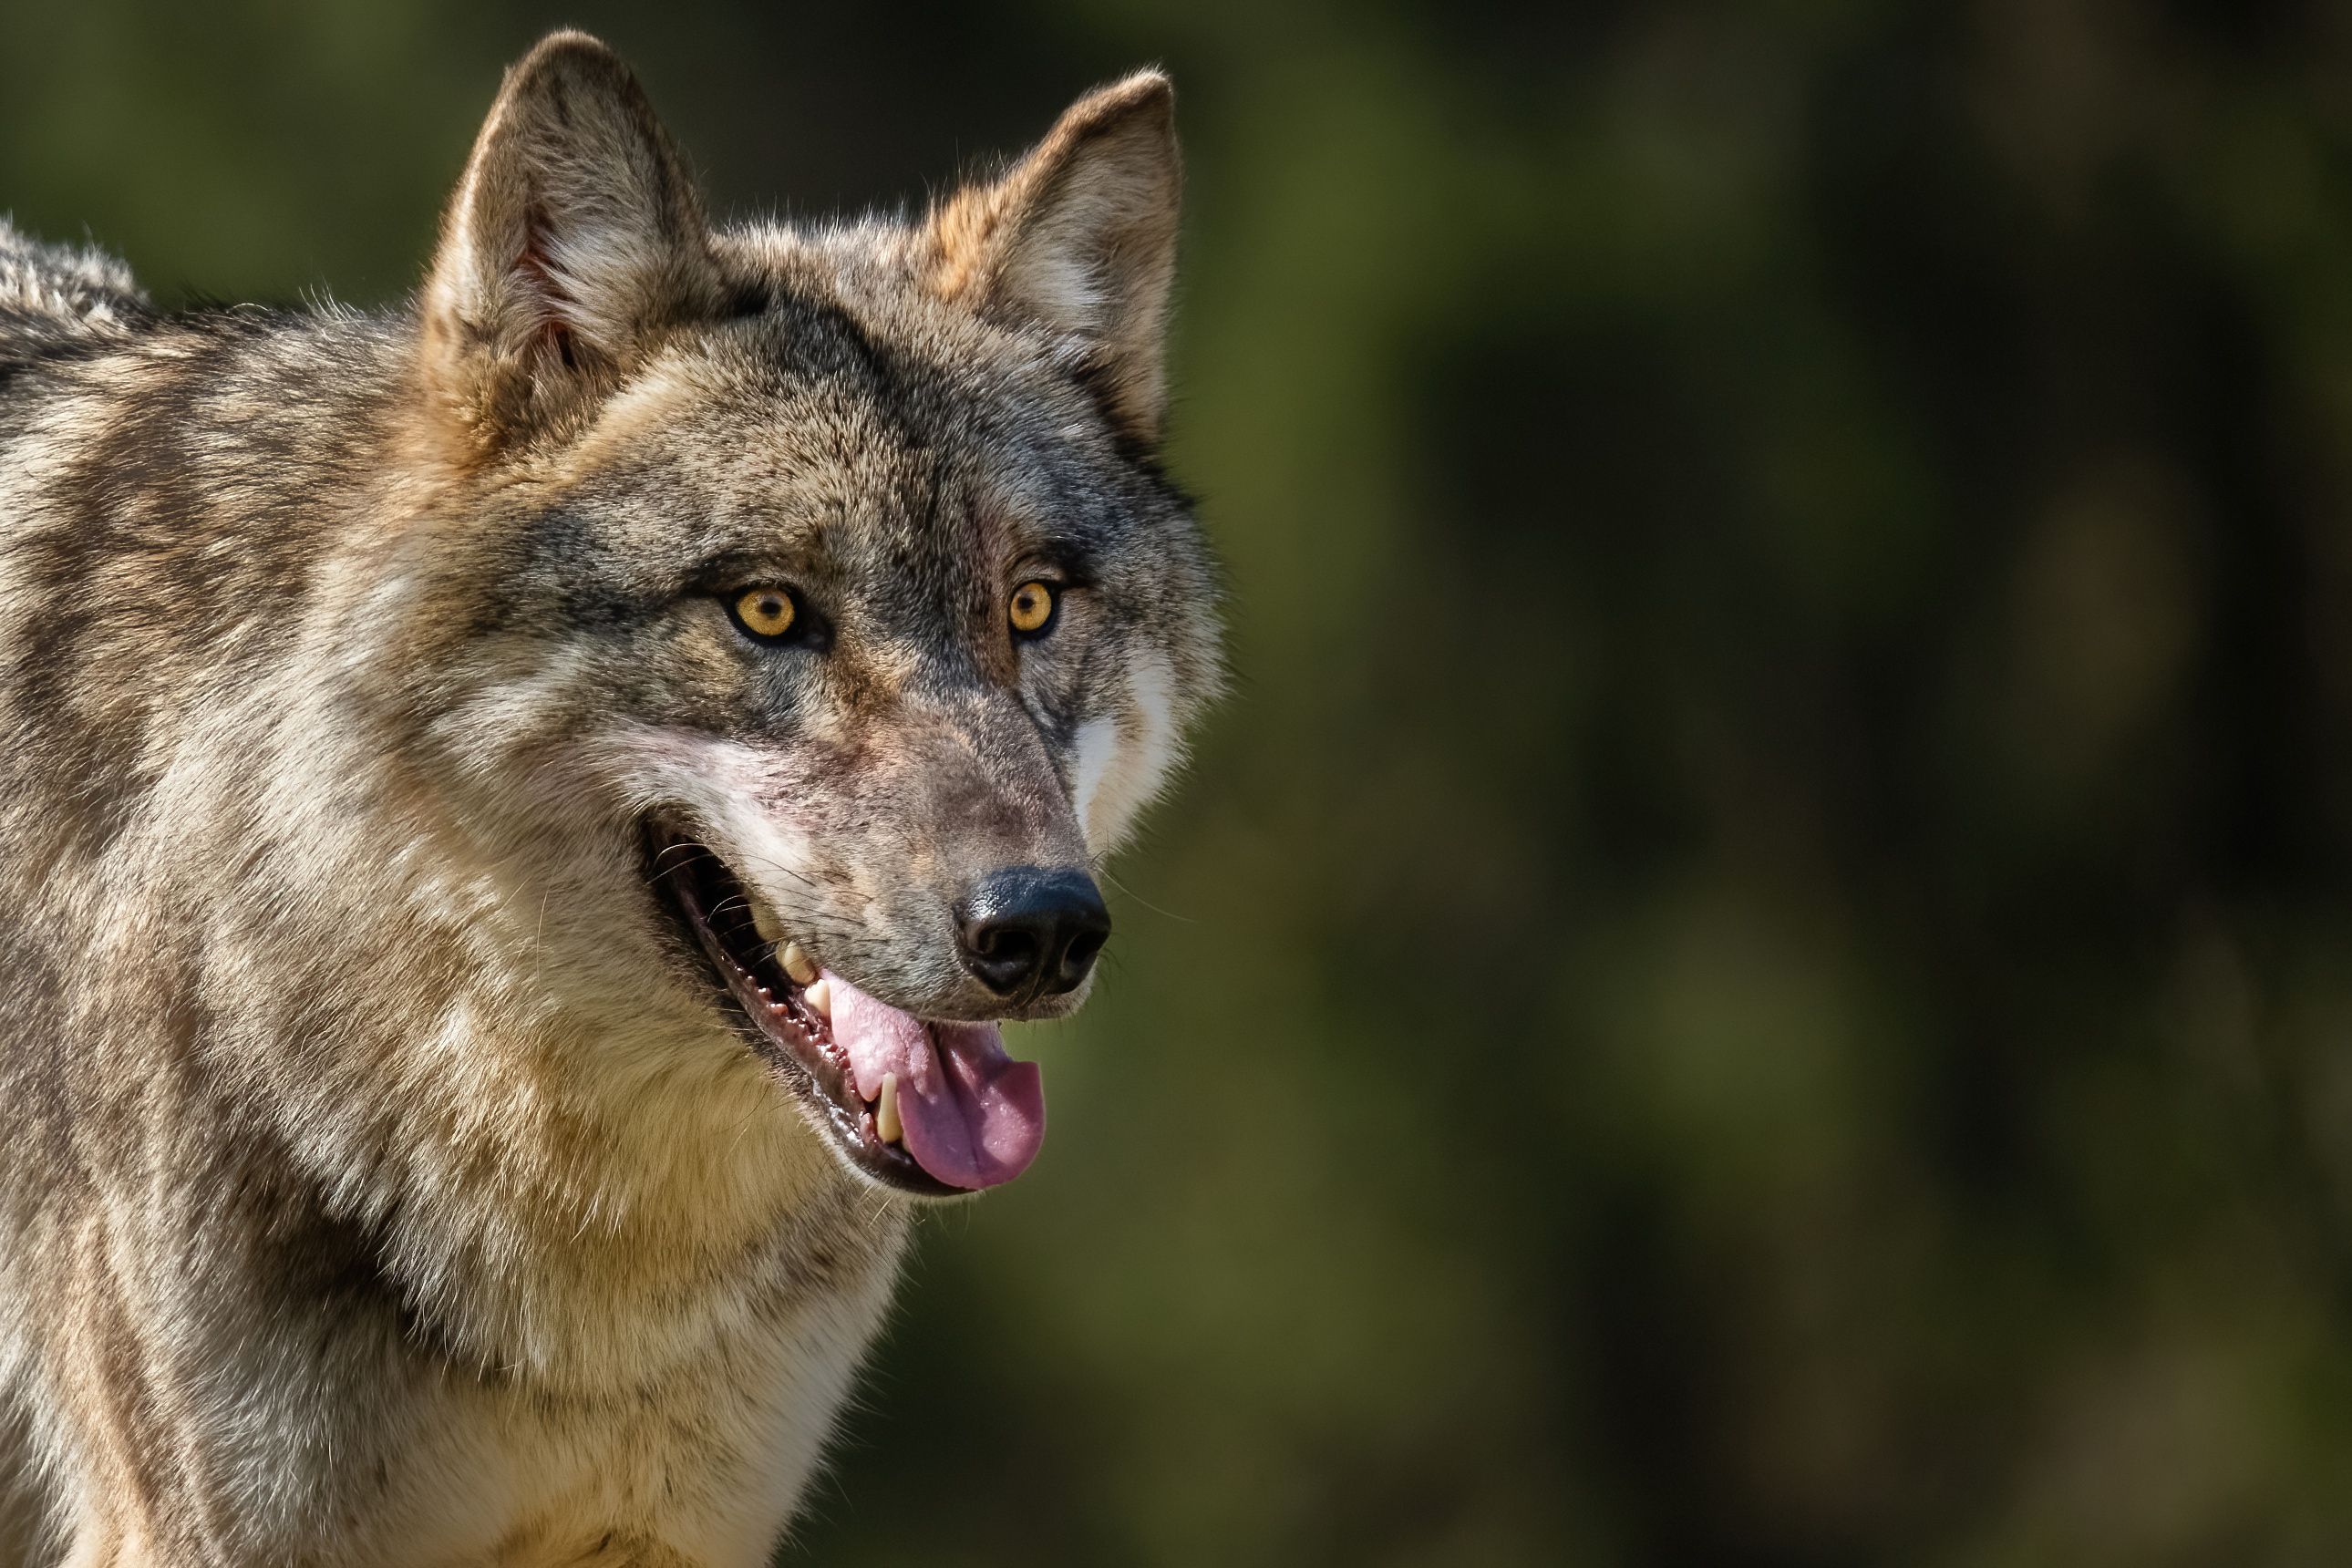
(1759, 971)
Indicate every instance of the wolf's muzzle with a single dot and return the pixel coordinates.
(1031, 932)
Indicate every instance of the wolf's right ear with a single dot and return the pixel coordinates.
(574, 240)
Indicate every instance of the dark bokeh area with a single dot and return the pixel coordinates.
(1760, 969)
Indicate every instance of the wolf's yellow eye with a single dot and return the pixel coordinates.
(1031, 608)
(766, 611)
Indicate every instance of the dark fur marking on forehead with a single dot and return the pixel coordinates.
(822, 339)
(934, 406)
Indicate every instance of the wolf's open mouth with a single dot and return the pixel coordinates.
(930, 1107)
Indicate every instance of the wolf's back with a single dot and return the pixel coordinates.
(53, 298)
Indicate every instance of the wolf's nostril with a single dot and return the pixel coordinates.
(1032, 932)
(1079, 957)
(1012, 949)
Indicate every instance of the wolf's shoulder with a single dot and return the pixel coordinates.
(51, 293)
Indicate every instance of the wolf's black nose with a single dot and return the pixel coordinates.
(1031, 931)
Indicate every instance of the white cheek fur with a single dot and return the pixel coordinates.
(1123, 762)
(722, 783)
(1096, 748)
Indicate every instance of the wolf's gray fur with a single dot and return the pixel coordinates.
(388, 1178)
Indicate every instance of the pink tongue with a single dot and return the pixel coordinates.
(973, 1117)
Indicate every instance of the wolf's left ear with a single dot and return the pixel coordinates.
(1080, 238)
(574, 240)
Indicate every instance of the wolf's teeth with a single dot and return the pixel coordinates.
(818, 995)
(796, 962)
(764, 922)
(885, 1116)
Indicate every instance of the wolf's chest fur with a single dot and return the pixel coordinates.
(521, 818)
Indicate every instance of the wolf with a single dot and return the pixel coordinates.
(521, 816)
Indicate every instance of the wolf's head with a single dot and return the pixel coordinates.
(810, 606)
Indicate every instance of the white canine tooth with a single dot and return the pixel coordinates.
(818, 995)
(764, 922)
(796, 963)
(886, 1118)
